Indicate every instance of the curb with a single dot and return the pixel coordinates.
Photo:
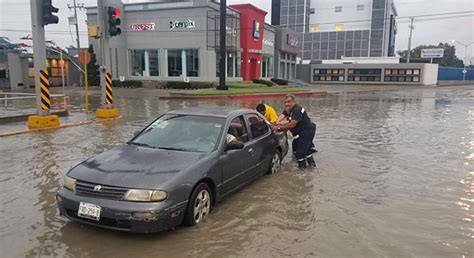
(21, 118)
(247, 96)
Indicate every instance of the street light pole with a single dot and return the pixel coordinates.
(409, 39)
(466, 47)
(222, 45)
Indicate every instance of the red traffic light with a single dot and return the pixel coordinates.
(114, 12)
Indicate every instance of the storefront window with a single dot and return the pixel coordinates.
(267, 67)
(176, 62)
(144, 62)
(232, 64)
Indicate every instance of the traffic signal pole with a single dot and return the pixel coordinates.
(39, 50)
(107, 109)
(43, 118)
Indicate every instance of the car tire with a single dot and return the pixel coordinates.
(275, 163)
(199, 205)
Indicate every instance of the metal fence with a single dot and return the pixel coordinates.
(27, 100)
(454, 74)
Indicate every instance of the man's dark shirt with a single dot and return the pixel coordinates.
(299, 114)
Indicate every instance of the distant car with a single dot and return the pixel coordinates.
(172, 172)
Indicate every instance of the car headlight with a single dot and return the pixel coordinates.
(140, 195)
(69, 183)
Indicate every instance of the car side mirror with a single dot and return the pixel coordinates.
(234, 145)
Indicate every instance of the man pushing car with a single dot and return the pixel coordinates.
(300, 125)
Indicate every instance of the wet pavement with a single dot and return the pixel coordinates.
(395, 177)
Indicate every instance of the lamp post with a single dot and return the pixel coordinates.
(466, 46)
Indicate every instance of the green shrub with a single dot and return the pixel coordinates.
(268, 83)
(127, 84)
(180, 85)
(279, 81)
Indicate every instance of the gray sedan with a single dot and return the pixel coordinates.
(172, 172)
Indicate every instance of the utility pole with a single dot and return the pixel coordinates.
(42, 13)
(77, 27)
(222, 45)
(76, 24)
(39, 50)
(107, 30)
(102, 39)
(409, 39)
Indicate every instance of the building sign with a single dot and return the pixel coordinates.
(188, 24)
(142, 26)
(256, 29)
(231, 31)
(291, 40)
(255, 51)
(432, 53)
(268, 42)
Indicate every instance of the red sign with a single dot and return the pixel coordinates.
(84, 56)
(291, 40)
(142, 26)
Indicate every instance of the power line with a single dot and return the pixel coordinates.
(344, 22)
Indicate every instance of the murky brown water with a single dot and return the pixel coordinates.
(395, 177)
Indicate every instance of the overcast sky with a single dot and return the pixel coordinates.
(15, 21)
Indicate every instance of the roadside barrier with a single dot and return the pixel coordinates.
(45, 96)
(109, 97)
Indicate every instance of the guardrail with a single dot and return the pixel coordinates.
(10, 96)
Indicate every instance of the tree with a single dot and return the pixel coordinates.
(449, 60)
(92, 68)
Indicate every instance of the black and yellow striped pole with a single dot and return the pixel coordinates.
(43, 119)
(109, 97)
(45, 96)
(107, 110)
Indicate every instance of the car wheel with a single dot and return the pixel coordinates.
(275, 165)
(199, 205)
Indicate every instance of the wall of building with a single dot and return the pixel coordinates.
(294, 14)
(329, 30)
(177, 25)
(325, 17)
(407, 74)
(16, 72)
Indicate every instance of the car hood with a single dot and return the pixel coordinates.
(135, 167)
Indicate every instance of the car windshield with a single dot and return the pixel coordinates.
(182, 133)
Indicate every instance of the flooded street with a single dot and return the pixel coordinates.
(394, 177)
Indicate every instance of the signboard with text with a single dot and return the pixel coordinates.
(256, 29)
(142, 26)
(291, 40)
(186, 24)
(432, 53)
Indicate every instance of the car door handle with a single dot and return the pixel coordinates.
(250, 150)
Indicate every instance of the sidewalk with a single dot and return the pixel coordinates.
(15, 115)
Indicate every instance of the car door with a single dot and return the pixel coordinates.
(263, 142)
(236, 164)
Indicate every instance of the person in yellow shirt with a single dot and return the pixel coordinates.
(268, 112)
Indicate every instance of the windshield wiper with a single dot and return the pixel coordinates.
(142, 144)
(171, 148)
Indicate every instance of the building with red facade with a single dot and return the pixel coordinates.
(172, 41)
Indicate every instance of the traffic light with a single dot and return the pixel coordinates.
(48, 11)
(113, 15)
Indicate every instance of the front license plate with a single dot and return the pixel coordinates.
(89, 211)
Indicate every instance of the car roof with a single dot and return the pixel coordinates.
(223, 112)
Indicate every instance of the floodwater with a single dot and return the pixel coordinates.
(395, 177)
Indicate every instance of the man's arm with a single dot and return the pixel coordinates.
(285, 127)
(280, 119)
